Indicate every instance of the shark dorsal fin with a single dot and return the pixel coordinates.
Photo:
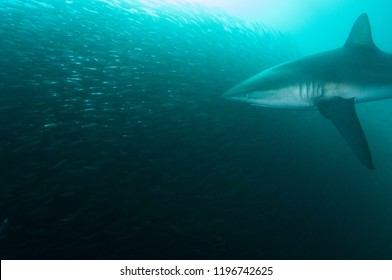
(361, 34)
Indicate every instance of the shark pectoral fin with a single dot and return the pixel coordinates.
(343, 115)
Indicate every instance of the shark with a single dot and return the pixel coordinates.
(331, 81)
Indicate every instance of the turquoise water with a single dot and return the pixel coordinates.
(116, 142)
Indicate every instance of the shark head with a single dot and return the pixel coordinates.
(276, 87)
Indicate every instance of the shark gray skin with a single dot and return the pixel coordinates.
(331, 82)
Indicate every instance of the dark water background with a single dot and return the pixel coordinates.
(115, 143)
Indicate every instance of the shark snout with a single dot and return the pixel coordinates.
(236, 93)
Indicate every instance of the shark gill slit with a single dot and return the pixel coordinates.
(303, 90)
(309, 91)
(316, 91)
